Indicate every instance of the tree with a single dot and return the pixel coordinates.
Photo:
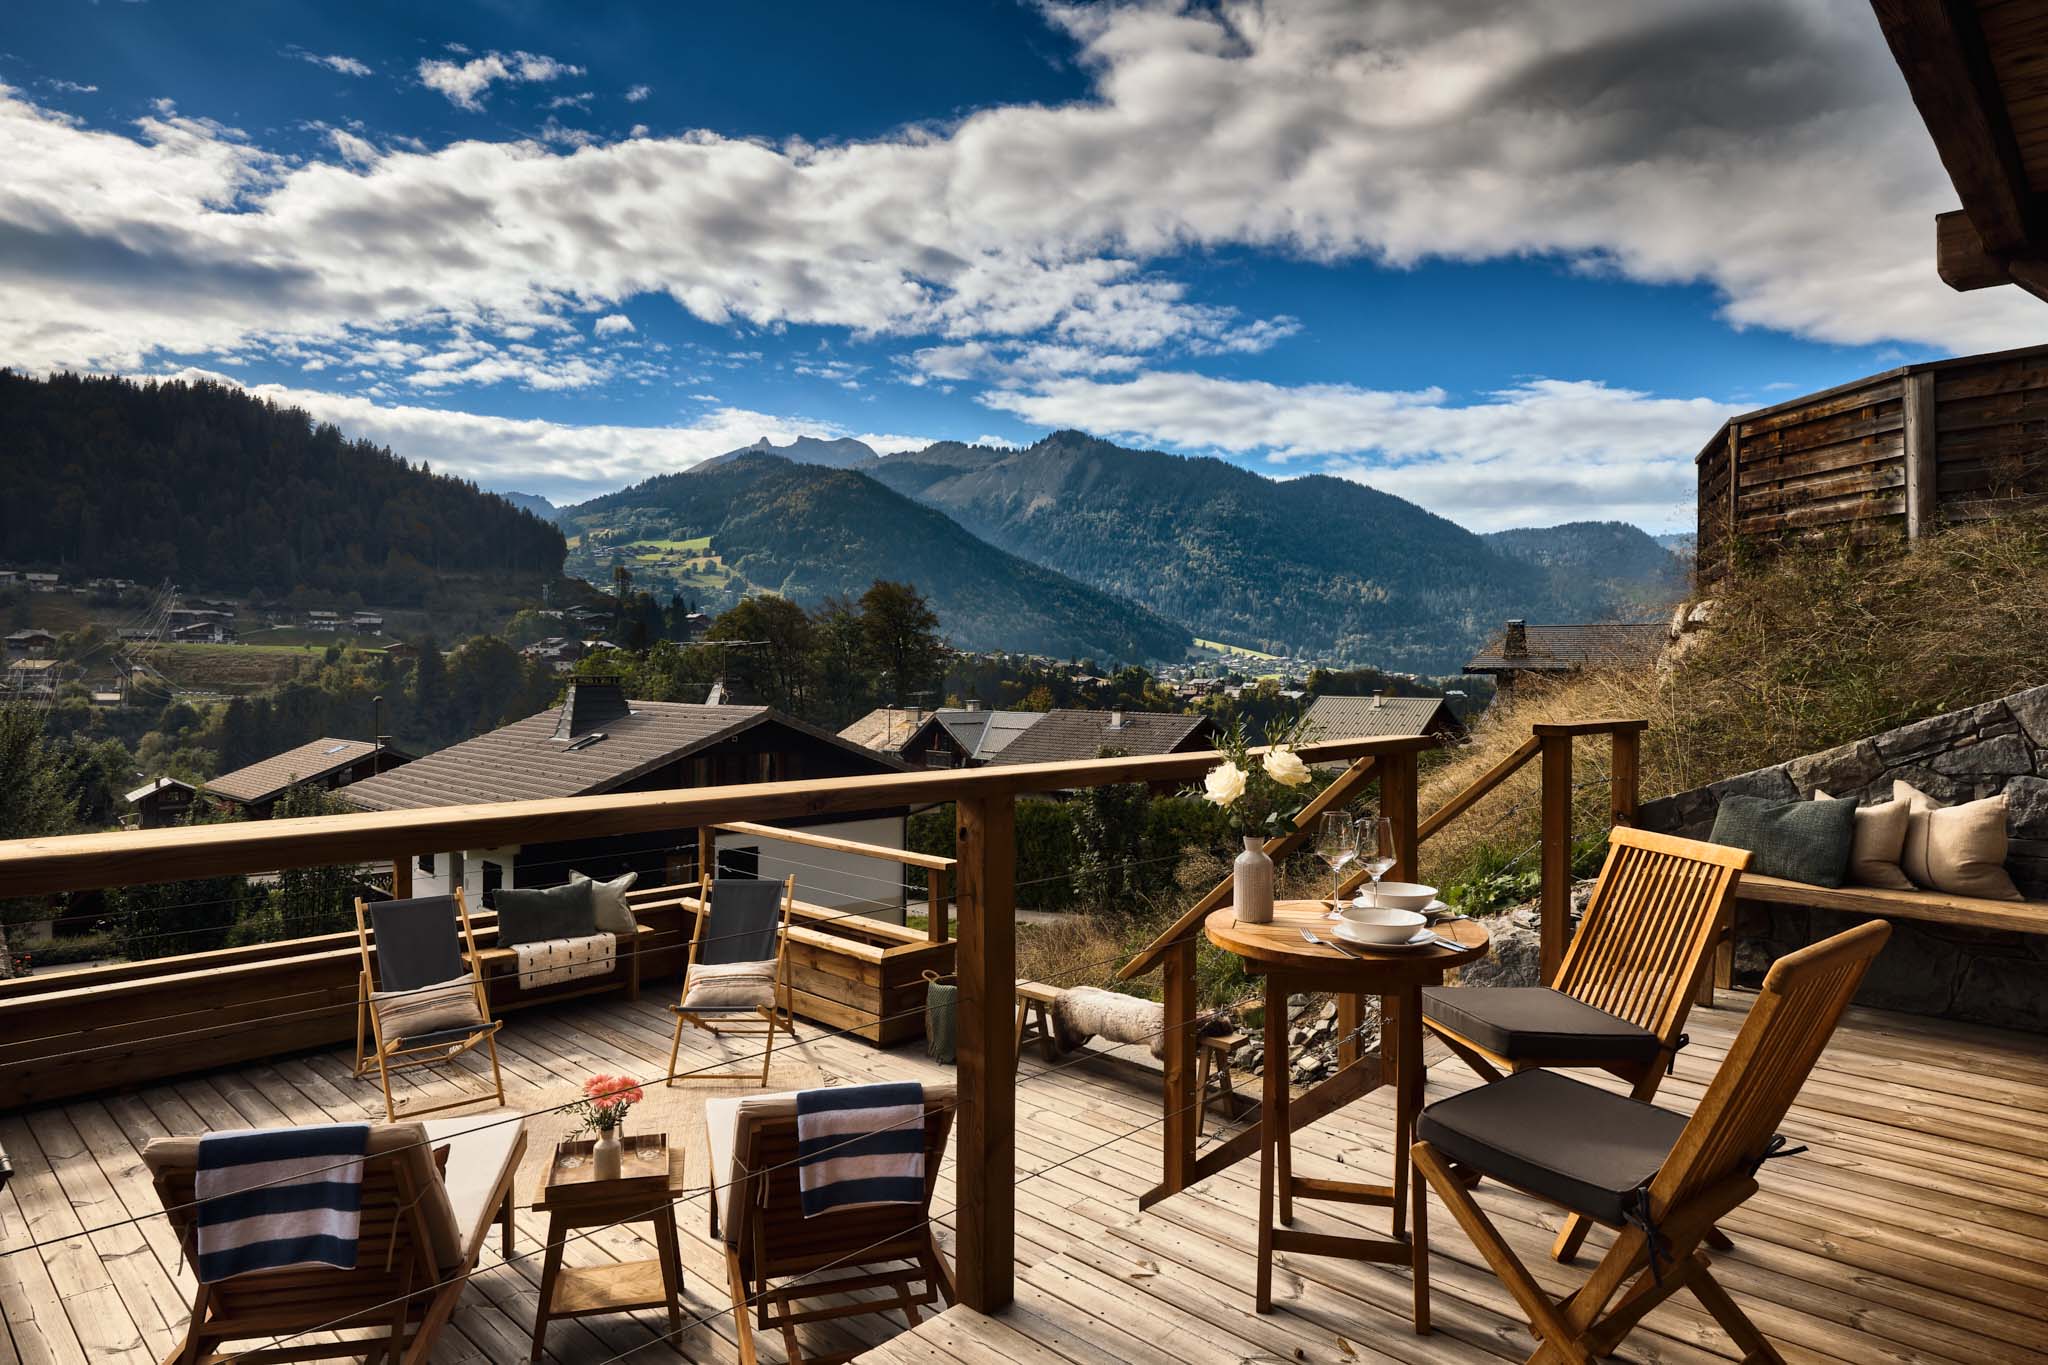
(775, 665)
(430, 690)
(35, 799)
(902, 633)
(306, 900)
(844, 688)
(486, 678)
(1110, 825)
(164, 919)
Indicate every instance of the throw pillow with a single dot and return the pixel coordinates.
(427, 1009)
(1800, 841)
(535, 916)
(730, 985)
(614, 916)
(1957, 849)
(1880, 839)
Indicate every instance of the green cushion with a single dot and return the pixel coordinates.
(530, 916)
(1800, 841)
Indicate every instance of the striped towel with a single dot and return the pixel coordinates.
(276, 1197)
(556, 960)
(859, 1145)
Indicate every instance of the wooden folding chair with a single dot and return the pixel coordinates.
(418, 1244)
(1660, 1179)
(776, 1258)
(739, 921)
(422, 942)
(1626, 984)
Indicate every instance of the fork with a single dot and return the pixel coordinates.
(1309, 934)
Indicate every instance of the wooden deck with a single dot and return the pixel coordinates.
(1915, 1230)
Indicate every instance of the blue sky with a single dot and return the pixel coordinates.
(1515, 263)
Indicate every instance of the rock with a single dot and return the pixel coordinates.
(2002, 756)
(1771, 783)
(2004, 727)
(1677, 626)
(1329, 1011)
(1940, 786)
(1515, 959)
(1298, 1037)
(2030, 709)
(1702, 612)
(1296, 1004)
(1843, 771)
(1937, 732)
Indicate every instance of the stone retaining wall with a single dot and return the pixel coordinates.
(1981, 975)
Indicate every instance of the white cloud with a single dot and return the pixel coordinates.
(466, 83)
(579, 101)
(612, 324)
(71, 87)
(351, 147)
(333, 61)
(1541, 452)
(638, 93)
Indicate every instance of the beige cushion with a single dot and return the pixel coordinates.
(727, 1121)
(482, 1149)
(1957, 849)
(427, 1009)
(614, 916)
(732, 985)
(1879, 840)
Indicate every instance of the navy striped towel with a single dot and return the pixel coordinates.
(859, 1145)
(275, 1197)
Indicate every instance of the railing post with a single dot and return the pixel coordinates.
(1183, 1103)
(1398, 786)
(938, 894)
(1625, 776)
(1922, 486)
(1556, 758)
(401, 876)
(985, 844)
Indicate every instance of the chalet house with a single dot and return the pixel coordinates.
(967, 737)
(323, 620)
(599, 741)
(166, 801)
(203, 633)
(400, 649)
(1556, 650)
(559, 651)
(36, 678)
(329, 763)
(1068, 736)
(366, 620)
(31, 644)
(886, 729)
(1372, 717)
(42, 582)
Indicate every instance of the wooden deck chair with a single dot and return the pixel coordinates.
(1660, 1179)
(420, 999)
(421, 1235)
(757, 1217)
(1625, 986)
(737, 980)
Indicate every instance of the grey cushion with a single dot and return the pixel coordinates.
(535, 916)
(1800, 841)
(1563, 1140)
(614, 914)
(1536, 1024)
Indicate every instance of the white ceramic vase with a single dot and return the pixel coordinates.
(607, 1157)
(1252, 883)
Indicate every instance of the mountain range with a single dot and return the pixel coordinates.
(1314, 565)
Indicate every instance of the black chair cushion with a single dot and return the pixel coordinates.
(1572, 1143)
(1536, 1024)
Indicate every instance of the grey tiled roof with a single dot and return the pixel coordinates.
(1557, 649)
(1356, 717)
(264, 779)
(1072, 736)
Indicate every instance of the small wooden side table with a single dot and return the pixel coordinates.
(1290, 964)
(651, 1181)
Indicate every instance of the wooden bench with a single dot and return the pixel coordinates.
(1933, 907)
(497, 964)
(1212, 1051)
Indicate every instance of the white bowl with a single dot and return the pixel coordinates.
(1398, 896)
(1382, 925)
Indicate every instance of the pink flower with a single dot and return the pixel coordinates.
(613, 1092)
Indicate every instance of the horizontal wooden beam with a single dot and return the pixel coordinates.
(930, 862)
(36, 867)
(1589, 727)
(1959, 255)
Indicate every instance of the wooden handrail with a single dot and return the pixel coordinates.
(930, 862)
(39, 866)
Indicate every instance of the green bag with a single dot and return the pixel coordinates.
(941, 1038)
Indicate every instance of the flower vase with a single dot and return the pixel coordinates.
(1252, 883)
(607, 1156)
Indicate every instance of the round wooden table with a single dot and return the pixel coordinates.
(1290, 965)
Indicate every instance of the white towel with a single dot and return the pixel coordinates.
(556, 960)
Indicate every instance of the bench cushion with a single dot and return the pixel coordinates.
(1574, 1144)
(1536, 1024)
(1805, 841)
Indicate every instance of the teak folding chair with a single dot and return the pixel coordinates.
(777, 1258)
(420, 1238)
(1660, 1179)
(741, 922)
(422, 942)
(1626, 984)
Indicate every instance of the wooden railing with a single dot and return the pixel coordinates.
(216, 1006)
(938, 870)
(1889, 457)
(1173, 951)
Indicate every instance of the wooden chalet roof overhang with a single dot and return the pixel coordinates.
(1978, 71)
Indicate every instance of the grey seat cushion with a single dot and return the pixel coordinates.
(1572, 1143)
(535, 916)
(1536, 1024)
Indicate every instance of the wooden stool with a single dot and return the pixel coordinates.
(1034, 1018)
(1213, 1053)
(574, 1198)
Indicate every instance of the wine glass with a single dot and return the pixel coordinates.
(1336, 844)
(1376, 850)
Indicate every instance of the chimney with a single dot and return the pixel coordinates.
(382, 740)
(1116, 720)
(1515, 643)
(974, 703)
(594, 701)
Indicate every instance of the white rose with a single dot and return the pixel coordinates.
(1224, 784)
(1284, 766)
